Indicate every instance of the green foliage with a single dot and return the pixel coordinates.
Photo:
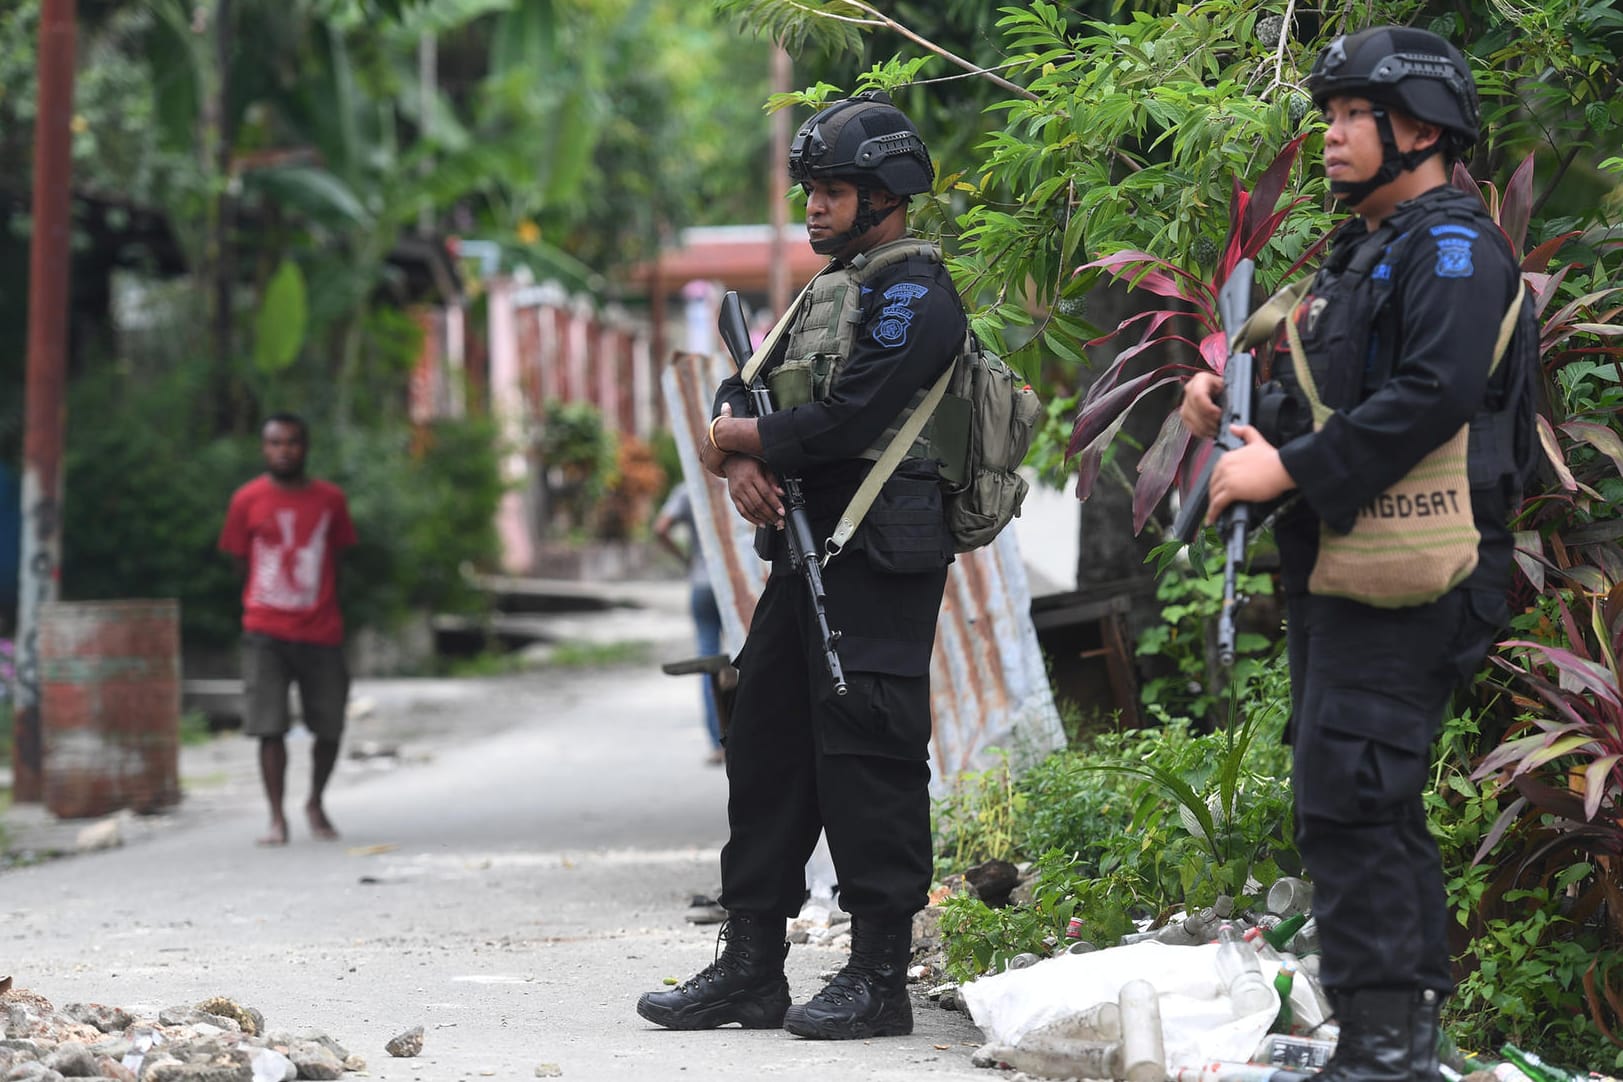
(1527, 986)
(422, 521)
(978, 819)
(280, 325)
(1127, 825)
(978, 939)
(1196, 688)
(580, 454)
(146, 488)
(598, 655)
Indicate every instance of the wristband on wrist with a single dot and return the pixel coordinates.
(713, 421)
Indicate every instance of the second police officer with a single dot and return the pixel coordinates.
(875, 330)
(1399, 332)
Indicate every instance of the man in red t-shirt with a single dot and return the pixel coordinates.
(286, 531)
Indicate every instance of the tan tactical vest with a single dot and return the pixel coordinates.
(820, 339)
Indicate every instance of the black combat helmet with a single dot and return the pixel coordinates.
(865, 139)
(1404, 68)
(1413, 71)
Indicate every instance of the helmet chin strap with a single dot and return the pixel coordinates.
(1393, 163)
(865, 220)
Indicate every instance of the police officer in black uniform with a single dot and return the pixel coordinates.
(1398, 330)
(877, 328)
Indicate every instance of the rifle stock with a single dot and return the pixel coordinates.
(803, 556)
(1239, 387)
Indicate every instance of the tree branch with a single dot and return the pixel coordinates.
(879, 18)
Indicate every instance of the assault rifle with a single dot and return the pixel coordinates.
(1239, 387)
(797, 525)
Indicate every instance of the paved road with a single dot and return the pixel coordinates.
(512, 885)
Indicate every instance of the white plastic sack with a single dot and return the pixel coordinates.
(1197, 1024)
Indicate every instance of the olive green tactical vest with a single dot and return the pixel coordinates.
(820, 340)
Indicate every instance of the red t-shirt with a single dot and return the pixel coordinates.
(291, 538)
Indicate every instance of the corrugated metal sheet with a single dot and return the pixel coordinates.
(989, 688)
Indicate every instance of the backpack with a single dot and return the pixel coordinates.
(983, 429)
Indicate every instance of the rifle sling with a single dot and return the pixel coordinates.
(892, 457)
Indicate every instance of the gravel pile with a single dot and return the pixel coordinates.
(217, 1040)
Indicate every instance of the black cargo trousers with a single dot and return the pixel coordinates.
(1369, 688)
(802, 760)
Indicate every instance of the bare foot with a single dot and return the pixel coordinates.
(277, 835)
(320, 826)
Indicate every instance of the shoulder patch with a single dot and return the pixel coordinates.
(896, 317)
(1454, 250)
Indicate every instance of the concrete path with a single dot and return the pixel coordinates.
(511, 880)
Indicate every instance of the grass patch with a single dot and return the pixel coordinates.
(194, 728)
(598, 655)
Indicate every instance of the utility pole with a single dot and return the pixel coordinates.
(49, 257)
(778, 271)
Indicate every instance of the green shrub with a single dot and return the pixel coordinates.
(1126, 825)
(147, 485)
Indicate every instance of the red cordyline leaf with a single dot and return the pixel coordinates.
(1540, 257)
(1107, 379)
(1157, 467)
(1087, 472)
(1558, 700)
(1462, 179)
(1234, 242)
(1092, 454)
(1215, 349)
(1161, 282)
(1265, 194)
(1156, 316)
(1547, 289)
(1586, 674)
(1521, 754)
(1517, 207)
(1600, 437)
(1107, 411)
(1260, 239)
(1597, 775)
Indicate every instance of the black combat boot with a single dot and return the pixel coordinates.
(1427, 1029)
(745, 984)
(868, 998)
(1376, 1041)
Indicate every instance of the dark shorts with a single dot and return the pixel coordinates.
(270, 666)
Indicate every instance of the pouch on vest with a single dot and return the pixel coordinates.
(796, 383)
(1417, 540)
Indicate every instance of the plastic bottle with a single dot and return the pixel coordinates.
(1073, 943)
(1255, 937)
(1143, 1048)
(1305, 941)
(1240, 974)
(1022, 961)
(1192, 931)
(1282, 984)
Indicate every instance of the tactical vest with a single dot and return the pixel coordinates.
(1353, 311)
(820, 339)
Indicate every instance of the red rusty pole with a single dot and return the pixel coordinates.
(49, 254)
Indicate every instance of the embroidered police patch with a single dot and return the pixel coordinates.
(896, 317)
(1454, 251)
